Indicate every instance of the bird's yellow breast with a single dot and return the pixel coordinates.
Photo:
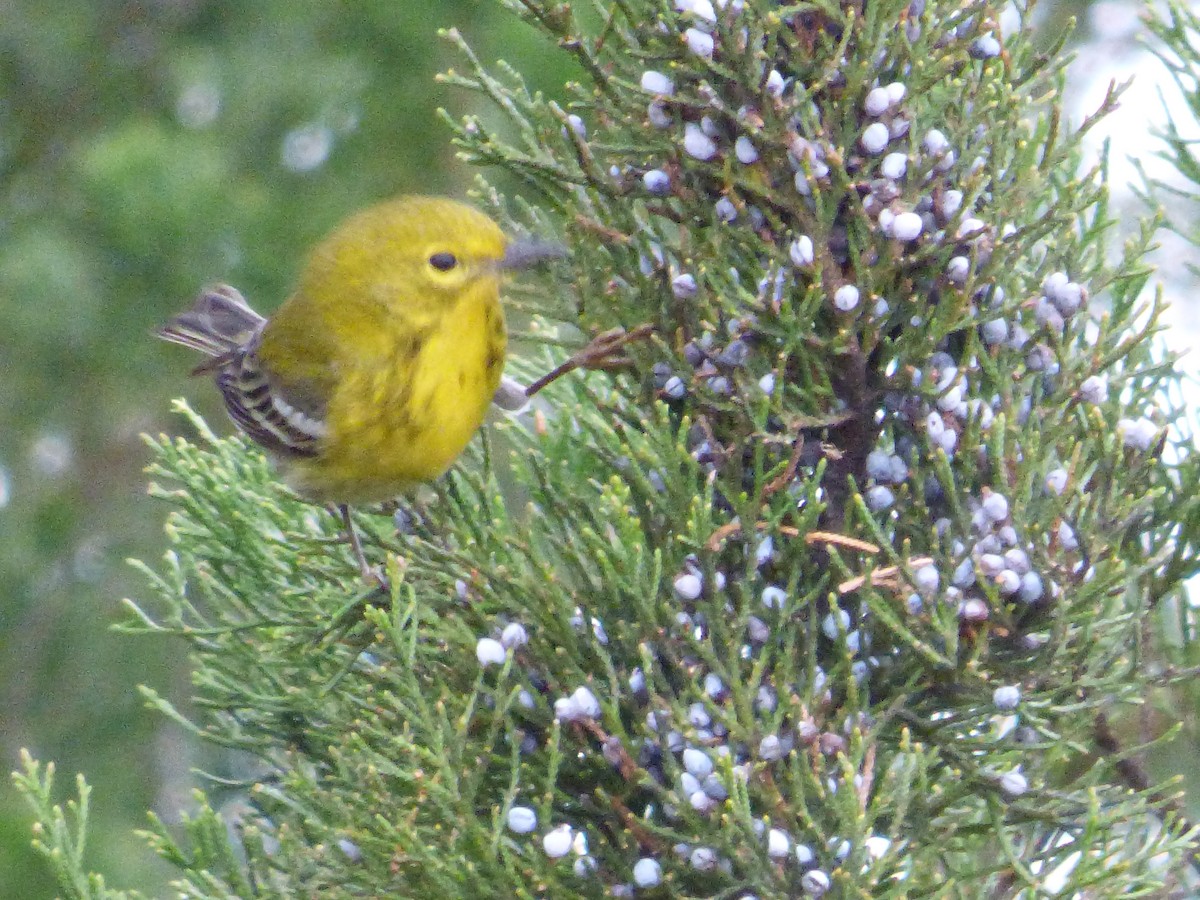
(396, 425)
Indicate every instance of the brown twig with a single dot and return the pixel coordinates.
(601, 353)
(609, 234)
(637, 828)
(625, 764)
(725, 532)
(881, 577)
(868, 778)
(828, 537)
(785, 477)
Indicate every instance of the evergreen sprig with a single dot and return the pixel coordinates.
(837, 590)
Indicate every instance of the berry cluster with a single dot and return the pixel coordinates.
(881, 365)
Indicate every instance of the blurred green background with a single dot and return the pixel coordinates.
(147, 149)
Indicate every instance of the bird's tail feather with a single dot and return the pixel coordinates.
(219, 322)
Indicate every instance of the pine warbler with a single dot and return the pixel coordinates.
(373, 376)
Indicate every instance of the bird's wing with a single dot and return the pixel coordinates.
(219, 323)
(286, 418)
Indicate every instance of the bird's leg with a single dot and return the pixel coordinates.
(603, 352)
(368, 574)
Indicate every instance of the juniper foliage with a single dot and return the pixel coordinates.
(838, 587)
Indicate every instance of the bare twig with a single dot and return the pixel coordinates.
(841, 540)
(886, 577)
(601, 353)
(725, 532)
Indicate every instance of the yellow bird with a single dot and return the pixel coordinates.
(373, 376)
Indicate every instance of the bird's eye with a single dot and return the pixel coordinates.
(443, 262)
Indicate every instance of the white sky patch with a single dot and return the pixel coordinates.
(1118, 52)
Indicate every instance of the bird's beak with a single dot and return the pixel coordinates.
(525, 253)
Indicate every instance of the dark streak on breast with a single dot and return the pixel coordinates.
(409, 346)
(494, 358)
(402, 404)
(494, 326)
